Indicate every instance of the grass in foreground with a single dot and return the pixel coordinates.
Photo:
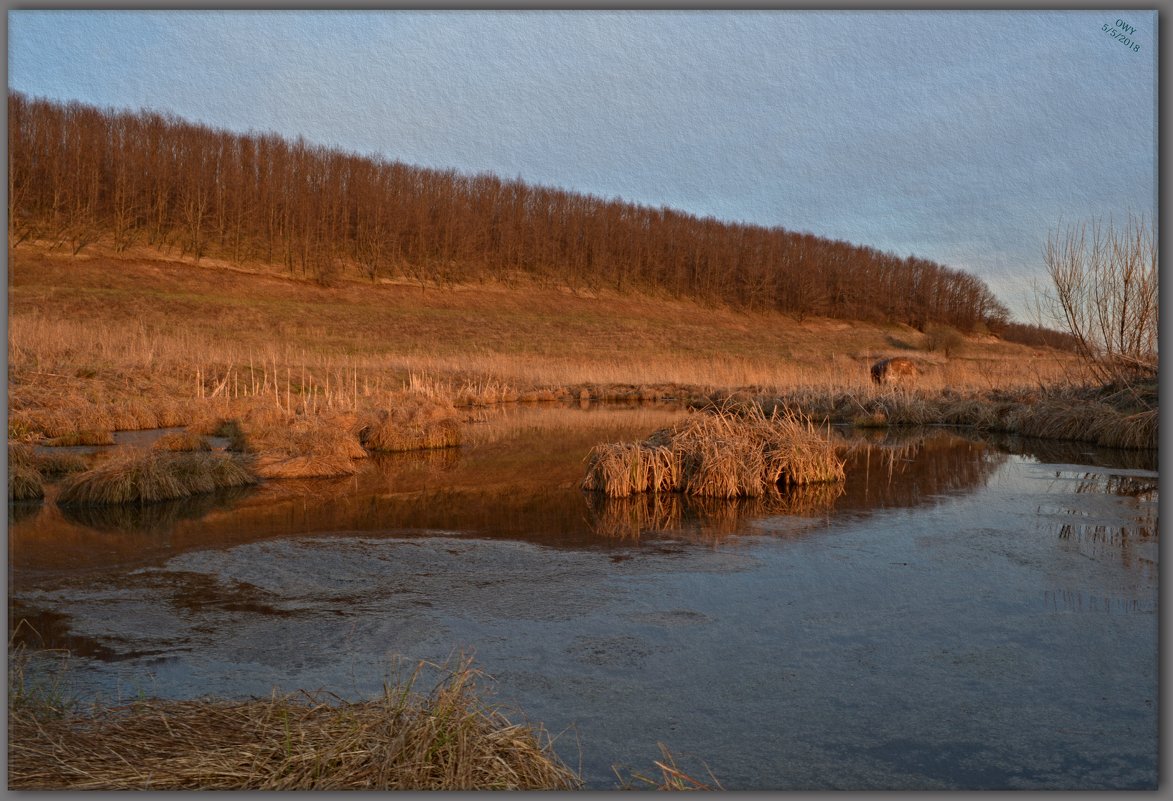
(724, 452)
(448, 739)
(672, 776)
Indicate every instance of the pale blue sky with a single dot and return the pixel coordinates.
(961, 137)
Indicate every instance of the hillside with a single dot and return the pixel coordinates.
(105, 327)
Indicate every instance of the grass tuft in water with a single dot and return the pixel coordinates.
(137, 477)
(724, 452)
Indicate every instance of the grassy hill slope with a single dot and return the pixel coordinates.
(104, 325)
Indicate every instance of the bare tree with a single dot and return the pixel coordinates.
(1105, 288)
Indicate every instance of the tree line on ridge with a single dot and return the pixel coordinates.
(78, 174)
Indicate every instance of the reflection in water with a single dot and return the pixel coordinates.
(1052, 451)
(1105, 513)
(20, 511)
(42, 629)
(699, 517)
(518, 477)
(908, 469)
(152, 518)
(1082, 601)
(850, 626)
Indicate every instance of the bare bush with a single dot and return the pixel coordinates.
(1105, 292)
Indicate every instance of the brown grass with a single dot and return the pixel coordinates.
(725, 452)
(134, 337)
(672, 777)
(83, 437)
(24, 477)
(182, 441)
(449, 739)
(412, 421)
(60, 464)
(118, 341)
(1101, 416)
(1088, 421)
(138, 477)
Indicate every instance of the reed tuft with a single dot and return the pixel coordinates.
(84, 437)
(725, 452)
(138, 477)
(54, 465)
(412, 421)
(182, 441)
(24, 477)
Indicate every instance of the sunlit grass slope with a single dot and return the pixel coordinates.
(124, 331)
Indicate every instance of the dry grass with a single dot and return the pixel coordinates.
(449, 739)
(672, 777)
(284, 444)
(1103, 417)
(24, 477)
(725, 452)
(412, 421)
(182, 441)
(108, 342)
(61, 464)
(133, 339)
(1092, 421)
(83, 437)
(137, 477)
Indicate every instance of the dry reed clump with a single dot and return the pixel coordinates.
(138, 477)
(1060, 418)
(1140, 430)
(412, 421)
(299, 446)
(133, 415)
(83, 437)
(61, 464)
(284, 444)
(721, 452)
(24, 477)
(403, 740)
(185, 441)
(1087, 421)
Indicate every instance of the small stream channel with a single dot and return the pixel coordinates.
(962, 613)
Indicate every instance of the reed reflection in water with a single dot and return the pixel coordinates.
(517, 477)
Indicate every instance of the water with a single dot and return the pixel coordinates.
(960, 614)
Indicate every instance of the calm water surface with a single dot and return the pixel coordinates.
(960, 614)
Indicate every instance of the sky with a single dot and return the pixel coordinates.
(965, 137)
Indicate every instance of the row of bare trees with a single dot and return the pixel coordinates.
(79, 173)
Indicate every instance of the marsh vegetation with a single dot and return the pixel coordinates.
(410, 410)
